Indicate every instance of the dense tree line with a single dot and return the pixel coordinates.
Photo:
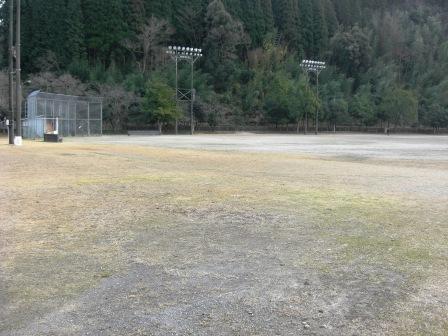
(388, 60)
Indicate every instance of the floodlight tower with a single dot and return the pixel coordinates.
(190, 55)
(317, 67)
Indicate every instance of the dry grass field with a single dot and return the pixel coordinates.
(125, 239)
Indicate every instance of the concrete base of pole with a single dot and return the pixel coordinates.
(18, 141)
(11, 134)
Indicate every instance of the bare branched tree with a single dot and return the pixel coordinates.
(64, 84)
(154, 34)
(116, 104)
(190, 21)
(48, 62)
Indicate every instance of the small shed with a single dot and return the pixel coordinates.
(50, 113)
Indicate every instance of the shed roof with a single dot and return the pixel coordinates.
(58, 96)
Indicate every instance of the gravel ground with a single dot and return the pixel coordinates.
(277, 235)
(355, 146)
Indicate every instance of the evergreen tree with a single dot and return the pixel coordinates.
(158, 103)
(234, 8)
(330, 17)
(267, 16)
(189, 22)
(224, 36)
(351, 51)
(400, 107)
(74, 47)
(337, 112)
(307, 27)
(362, 108)
(135, 14)
(252, 19)
(105, 29)
(348, 11)
(320, 29)
(160, 8)
(286, 14)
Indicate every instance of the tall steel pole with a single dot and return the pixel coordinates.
(18, 75)
(177, 100)
(317, 107)
(192, 98)
(11, 72)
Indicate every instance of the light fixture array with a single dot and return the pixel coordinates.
(184, 52)
(313, 65)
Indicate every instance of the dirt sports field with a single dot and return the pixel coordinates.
(225, 235)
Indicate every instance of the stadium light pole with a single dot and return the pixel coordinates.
(317, 67)
(190, 55)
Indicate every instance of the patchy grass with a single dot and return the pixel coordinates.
(369, 236)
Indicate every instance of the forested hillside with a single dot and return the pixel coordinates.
(388, 60)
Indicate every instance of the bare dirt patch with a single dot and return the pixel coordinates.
(101, 239)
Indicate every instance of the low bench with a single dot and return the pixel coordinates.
(52, 138)
(143, 133)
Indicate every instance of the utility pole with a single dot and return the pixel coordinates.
(190, 55)
(18, 138)
(316, 67)
(11, 72)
